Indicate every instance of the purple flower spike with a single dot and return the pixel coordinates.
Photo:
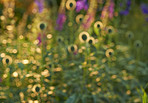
(81, 4)
(146, 19)
(40, 4)
(128, 3)
(60, 21)
(86, 7)
(144, 8)
(111, 10)
(88, 22)
(39, 39)
(125, 12)
(0, 79)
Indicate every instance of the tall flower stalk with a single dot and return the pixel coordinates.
(90, 16)
(108, 11)
(40, 4)
(61, 16)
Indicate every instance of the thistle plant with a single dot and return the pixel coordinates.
(72, 51)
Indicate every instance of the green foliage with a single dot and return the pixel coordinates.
(104, 63)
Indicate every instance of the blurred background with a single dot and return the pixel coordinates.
(73, 51)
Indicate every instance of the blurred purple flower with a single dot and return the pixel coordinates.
(111, 9)
(39, 39)
(81, 4)
(88, 22)
(144, 8)
(75, 53)
(40, 4)
(104, 11)
(124, 12)
(121, 4)
(128, 4)
(0, 79)
(60, 21)
(146, 19)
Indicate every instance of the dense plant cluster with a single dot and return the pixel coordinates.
(73, 51)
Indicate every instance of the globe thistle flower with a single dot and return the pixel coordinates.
(7, 60)
(98, 25)
(40, 4)
(83, 36)
(72, 48)
(138, 44)
(110, 30)
(42, 26)
(91, 40)
(130, 35)
(60, 39)
(36, 88)
(109, 53)
(70, 4)
(79, 18)
(81, 5)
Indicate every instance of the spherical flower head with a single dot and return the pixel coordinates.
(109, 53)
(81, 4)
(73, 49)
(91, 41)
(60, 21)
(130, 35)
(138, 44)
(42, 26)
(37, 89)
(79, 18)
(71, 4)
(110, 30)
(83, 36)
(7, 60)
